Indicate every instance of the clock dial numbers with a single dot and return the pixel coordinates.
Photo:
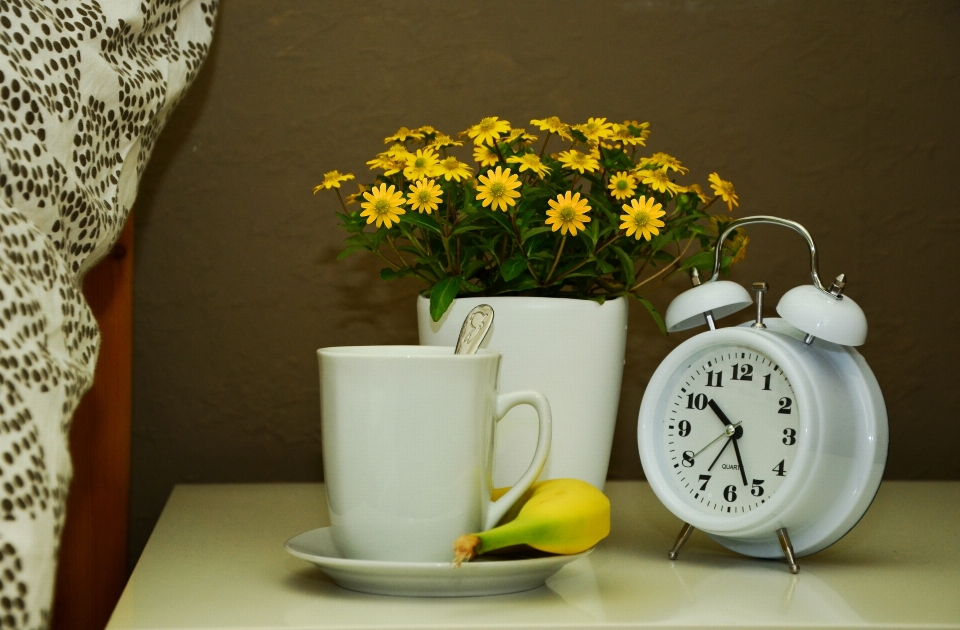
(731, 431)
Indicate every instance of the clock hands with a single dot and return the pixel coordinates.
(736, 449)
(725, 445)
(738, 433)
(728, 432)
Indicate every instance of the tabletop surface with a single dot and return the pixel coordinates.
(216, 560)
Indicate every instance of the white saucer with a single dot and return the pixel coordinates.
(425, 579)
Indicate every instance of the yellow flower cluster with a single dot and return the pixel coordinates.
(498, 147)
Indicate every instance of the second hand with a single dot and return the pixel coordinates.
(728, 432)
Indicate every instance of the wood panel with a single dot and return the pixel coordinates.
(93, 552)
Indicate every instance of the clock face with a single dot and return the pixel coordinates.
(731, 430)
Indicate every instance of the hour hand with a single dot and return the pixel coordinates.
(716, 409)
(736, 436)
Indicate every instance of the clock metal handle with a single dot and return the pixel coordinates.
(793, 225)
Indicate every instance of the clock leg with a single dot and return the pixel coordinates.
(682, 539)
(787, 547)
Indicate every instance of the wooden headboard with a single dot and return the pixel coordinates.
(93, 551)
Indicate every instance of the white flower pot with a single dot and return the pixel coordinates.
(572, 351)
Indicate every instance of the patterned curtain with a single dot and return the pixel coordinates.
(85, 88)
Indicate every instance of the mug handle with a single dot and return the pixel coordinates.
(506, 402)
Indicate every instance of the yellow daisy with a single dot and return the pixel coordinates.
(352, 199)
(399, 151)
(402, 135)
(623, 135)
(622, 185)
(695, 188)
(421, 164)
(553, 125)
(498, 189)
(667, 162)
(642, 218)
(521, 137)
(442, 140)
(529, 162)
(452, 168)
(577, 161)
(382, 205)
(424, 196)
(426, 130)
(620, 135)
(488, 130)
(739, 244)
(658, 180)
(393, 160)
(332, 180)
(383, 160)
(568, 213)
(644, 132)
(395, 166)
(595, 129)
(486, 155)
(724, 189)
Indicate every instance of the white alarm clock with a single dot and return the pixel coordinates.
(771, 436)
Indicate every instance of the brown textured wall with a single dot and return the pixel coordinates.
(842, 116)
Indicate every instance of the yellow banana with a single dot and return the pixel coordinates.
(562, 516)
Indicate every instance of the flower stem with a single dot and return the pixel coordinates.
(496, 147)
(638, 284)
(377, 251)
(546, 139)
(523, 252)
(342, 205)
(609, 242)
(563, 241)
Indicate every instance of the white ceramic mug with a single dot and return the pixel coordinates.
(408, 439)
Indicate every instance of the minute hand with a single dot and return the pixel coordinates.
(739, 433)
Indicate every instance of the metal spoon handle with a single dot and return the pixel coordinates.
(475, 327)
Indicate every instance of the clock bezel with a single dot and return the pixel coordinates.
(651, 426)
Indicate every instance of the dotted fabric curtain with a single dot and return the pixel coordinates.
(85, 88)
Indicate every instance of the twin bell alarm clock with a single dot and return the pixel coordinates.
(771, 436)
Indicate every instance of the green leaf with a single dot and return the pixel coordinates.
(424, 221)
(442, 295)
(578, 135)
(653, 312)
(533, 232)
(501, 218)
(349, 250)
(389, 274)
(513, 267)
(604, 266)
(626, 263)
(601, 202)
(662, 240)
(377, 237)
(466, 228)
(471, 267)
(592, 232)
(699, 260)
(520, 284)
(357, 240)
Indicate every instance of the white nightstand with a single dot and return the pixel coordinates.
(216, 560)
